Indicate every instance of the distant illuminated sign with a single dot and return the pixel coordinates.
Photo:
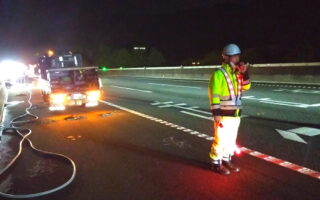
(139, 48)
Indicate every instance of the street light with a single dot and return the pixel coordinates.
(50, 53)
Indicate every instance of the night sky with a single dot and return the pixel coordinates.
(179, 28)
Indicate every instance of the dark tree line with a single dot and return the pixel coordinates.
(266, 54)
(124, 57)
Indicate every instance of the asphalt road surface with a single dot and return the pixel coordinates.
(150, 138)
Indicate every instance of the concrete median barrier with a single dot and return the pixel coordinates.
(283, 73)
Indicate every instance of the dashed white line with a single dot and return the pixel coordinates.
(168, 105)
(133, 89)
(169, 124)
(159, 103)
(302, 91)
(161, 84)
(196, 115)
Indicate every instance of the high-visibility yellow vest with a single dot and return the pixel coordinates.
(225, 91)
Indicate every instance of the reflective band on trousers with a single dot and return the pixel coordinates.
(224, 143)
(235, 100)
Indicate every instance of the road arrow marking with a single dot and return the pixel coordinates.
(306, 131)
(292, 134)
(282, 103)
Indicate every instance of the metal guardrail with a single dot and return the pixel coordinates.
(311, 64)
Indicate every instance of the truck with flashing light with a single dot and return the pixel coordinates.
(65, 82)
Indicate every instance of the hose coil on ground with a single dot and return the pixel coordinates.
(14, 126)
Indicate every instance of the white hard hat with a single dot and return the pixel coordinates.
(231, 49)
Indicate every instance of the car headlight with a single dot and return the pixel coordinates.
(93, 95)
(58, 98)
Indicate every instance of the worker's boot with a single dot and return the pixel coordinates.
(232, 167)
(219, 168)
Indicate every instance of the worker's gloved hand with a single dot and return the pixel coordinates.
(217, 119)
(242, 67)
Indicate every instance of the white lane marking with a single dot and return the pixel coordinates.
(181, 128)
(285, 163)
(13, 103)
(158, 103)
(169, 124)
(161, 84)
(291, 166)
(196, 115)
(298, 91)
(194, 107)
(290, 104)
(283, 103)
(169, 104)
(314, 105)
(146, 91)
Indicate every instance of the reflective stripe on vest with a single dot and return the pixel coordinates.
(235, 100)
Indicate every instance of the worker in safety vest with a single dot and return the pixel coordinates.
(225, 89)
